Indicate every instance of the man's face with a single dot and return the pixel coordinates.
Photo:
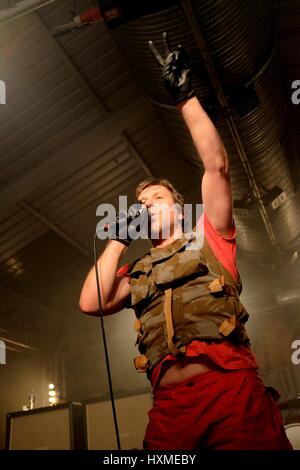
(161, 209)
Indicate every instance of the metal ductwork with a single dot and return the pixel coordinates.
(238, 51)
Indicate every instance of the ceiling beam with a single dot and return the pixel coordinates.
(21, 8)
(98, 103)
(13, 296)
(134, 153)
(17, 343)
(15, 194)
(70, 65)
(90, 143)
(46, 221)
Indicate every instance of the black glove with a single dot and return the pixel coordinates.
(118, 230)
(175, 71)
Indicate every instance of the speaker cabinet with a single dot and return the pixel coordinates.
(293, 433)
(132, 417)
(56, 427)
(291, 416)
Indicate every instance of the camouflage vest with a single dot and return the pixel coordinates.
(180, 294)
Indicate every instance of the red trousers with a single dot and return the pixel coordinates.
(216, 410)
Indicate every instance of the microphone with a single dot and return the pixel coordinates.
(121, 227)
(137, 212)
(132, 213)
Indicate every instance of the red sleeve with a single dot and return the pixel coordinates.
(223, 247)
(123, 271)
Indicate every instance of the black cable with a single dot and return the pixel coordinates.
(105, 347)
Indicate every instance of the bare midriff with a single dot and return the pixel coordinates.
(184, 368)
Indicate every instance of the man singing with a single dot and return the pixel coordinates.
(189, 319)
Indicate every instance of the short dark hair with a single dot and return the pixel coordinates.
(152, 181)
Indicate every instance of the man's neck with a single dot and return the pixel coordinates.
(163, 242)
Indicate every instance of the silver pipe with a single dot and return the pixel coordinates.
(187, 8)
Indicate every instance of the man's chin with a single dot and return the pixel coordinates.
(157, 233)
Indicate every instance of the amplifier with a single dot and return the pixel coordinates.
(132, 417)
(57, 427)
(293, 433)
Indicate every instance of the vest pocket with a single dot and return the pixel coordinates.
(179, 268)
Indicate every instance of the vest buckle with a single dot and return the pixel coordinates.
(137, 325)
(216, 286)
(141, 363)
(228, 325)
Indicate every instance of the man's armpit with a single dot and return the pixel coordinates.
(128, 302)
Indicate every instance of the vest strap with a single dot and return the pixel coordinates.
(137, 325)
(169, 324)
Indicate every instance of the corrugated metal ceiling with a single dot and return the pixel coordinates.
(73, 130)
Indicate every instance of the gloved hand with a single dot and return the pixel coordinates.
(118, 230)
(175, 71)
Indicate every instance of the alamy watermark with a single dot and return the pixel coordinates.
(161, 221)
(296, 93)
(2, 92)
(2, 352)
(296, 354)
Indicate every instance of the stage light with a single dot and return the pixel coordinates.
(53, 395)
(294, 257)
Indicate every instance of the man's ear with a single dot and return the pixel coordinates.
(181, 215)
(181, 219)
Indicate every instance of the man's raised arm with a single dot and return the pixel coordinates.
(216, 188)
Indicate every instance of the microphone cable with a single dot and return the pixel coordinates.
(105, 347)
(141, 211)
